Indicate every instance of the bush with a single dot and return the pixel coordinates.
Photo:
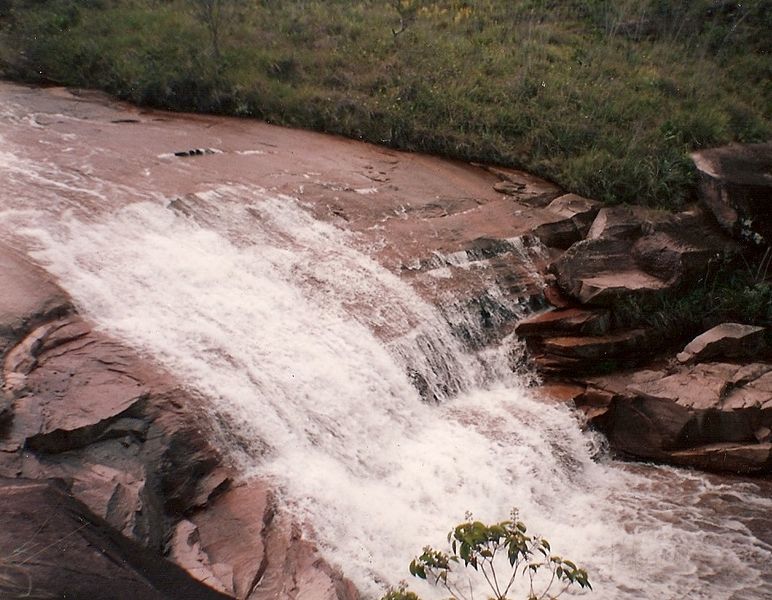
(499, 553)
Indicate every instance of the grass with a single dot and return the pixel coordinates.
(604, 98)
(731, 290)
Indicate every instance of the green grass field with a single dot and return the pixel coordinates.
(606, 98)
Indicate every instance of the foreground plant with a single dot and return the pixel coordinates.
(499, 553)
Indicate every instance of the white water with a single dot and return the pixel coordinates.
(303, 345)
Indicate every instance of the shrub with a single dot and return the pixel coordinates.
(499, 553)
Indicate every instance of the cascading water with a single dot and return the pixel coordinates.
(306, 347)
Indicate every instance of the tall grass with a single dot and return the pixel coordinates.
(605, 98)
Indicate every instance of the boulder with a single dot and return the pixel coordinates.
(54, 547)
(632, 252)
(727, 340)
(735, 183)
(602, 271)
(648, 427)
(574, 215)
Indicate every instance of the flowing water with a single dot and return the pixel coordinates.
(309, 353)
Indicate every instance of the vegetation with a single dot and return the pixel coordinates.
(733, 289)
(605, 97)
(499, 553)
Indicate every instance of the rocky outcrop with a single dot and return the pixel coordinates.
(629, 255)
(53, 546)
(135, 454)
(735, 183)
(636, 253)
(713, 415)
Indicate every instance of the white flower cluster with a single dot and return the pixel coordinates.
(747, 233)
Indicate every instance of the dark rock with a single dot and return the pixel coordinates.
(602, 271)
(54, 547)
(712, 414)
(6, 412)
(555, 297)
(636, 253)
(735, 183)
(649, 427)
(728, 340)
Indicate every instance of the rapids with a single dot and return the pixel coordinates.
(309, 351)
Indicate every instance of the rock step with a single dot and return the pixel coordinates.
(620, 344)
(749, 459)
(606, 288)
(569, 320)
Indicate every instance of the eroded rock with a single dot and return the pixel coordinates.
(568, 320)
(574, 215)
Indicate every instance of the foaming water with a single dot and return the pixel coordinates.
(306, 346)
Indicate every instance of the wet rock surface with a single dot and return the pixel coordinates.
(137, 474)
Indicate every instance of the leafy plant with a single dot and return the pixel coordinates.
(499, 553)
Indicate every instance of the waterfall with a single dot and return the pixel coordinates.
(380, 428)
